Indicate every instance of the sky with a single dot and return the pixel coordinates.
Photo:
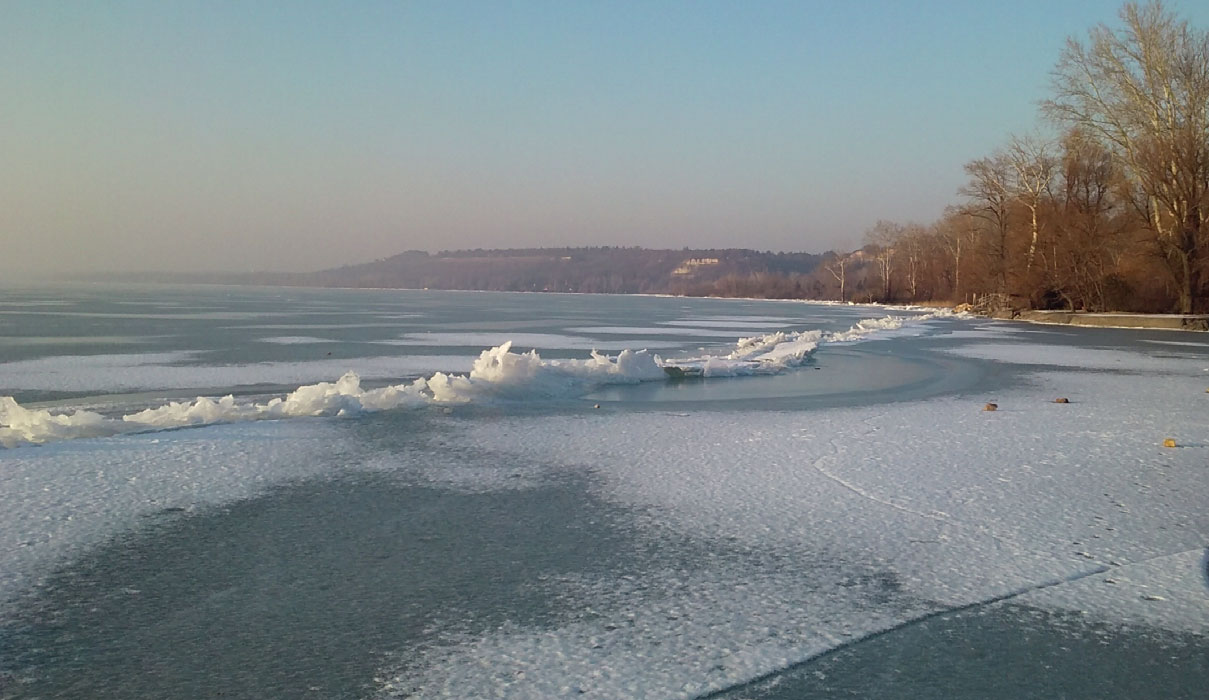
(271, 136)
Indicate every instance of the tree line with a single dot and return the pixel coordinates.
(1107, 215)
(601, 270)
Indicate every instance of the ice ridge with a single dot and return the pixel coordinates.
(498, 374)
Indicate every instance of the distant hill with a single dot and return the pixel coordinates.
(596, 270)
(611, 270)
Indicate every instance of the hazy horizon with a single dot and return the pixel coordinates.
(224, 136)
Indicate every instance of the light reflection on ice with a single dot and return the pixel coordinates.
(109, 373)
(184, 316)
(1204, 345)
(714, 318)
(77, 340)
(295, 340)
(1078, 357)
(748, 325)
(660, 330)
(523, 340)
(314, 326)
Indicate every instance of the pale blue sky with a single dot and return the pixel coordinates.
(299, 135)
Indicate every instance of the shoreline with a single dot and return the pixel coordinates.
(1111, 319)
(1168, 322)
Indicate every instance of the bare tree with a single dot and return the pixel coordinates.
(1088, 240)
(1033, 166)
(912, 243)
(883, 238)
(990, 198)
(838, 267)
(1144, 92)
(955, 231)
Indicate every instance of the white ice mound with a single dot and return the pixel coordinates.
(19, 424)
(867, 326)
(498, 373)
(777, 352)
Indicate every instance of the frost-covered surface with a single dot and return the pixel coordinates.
(134, 371)
(59, 499)
(778, 535)
(648, 331)
(1078, 357)
(1182, 343)
(296, 340)
(498, 373)
(670, 634)
(1072, 506)
(524, 340)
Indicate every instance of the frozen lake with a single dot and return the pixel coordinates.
(826, 512)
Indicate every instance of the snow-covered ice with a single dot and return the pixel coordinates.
(547, 341)
(1074, 507)
(497, 373)
(170, 370)
(801, 530)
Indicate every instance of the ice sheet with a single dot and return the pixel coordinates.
(1073, 507)
(1185, 343)
(110, 373)
(548, 341)
(62, 498)
(295, 340)
(1033, 353)
(498, 373)
(722, 318)
(731, 323)
(869, 517)
(660, 330)
(75, 340)
(183, 316)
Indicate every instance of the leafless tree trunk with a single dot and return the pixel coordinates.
(884, 237)
(838, 269)
(990, 196)
(1033, 167)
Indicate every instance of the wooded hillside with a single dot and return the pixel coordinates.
(609, 270)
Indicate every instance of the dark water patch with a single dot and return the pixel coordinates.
(313, 588)
(302, 592)
(1001, 651)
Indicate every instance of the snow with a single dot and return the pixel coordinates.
(1073, 507)
(498, 373)
(62, 498)
(1079, 357)
(832, 524)
(776, 352)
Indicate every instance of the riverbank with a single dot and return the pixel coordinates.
(1177, 322)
